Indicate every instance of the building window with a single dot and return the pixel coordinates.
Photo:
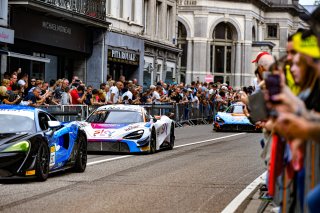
(221, 49)
(182, 44)
(145, 16)
(133, 10)
(108, 7)
(169, 22)
(272, 31)
(121, 9)
(158, 18)
(253, 34)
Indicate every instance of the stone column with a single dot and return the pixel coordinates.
(208, 58)
(189, 62)
(247, 50)
(237, 70)
(283, 36)
(114, 5)
(199, 59)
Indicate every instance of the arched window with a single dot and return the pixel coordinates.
(221, 54)
(182, 43)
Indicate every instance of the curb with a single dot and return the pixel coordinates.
(241, 201)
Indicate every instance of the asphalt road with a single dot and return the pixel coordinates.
(202, 177)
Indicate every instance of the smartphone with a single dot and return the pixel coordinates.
(273, 84)
(257, 107)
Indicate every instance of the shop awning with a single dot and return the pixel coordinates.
(24, 56)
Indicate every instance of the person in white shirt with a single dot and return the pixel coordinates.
(128, 93)
(156, 95)
(115, 92)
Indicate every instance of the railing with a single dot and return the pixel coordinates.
(92, 8)
(185, 113)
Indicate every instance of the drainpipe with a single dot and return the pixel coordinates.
(103, 56)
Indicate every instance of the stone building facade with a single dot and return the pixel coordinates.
(222, 37)
(146, 29)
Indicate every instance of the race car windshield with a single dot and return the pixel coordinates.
(238, 109)
(16, 124)
(115, 117)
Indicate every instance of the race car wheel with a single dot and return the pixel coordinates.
(172, 137)
(42, 163)
(152, 143)
(81, 159)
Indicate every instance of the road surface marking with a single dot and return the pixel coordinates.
(190, 144)
(107, 160)
(206, 141)
(237, 201)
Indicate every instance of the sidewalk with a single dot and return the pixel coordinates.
(257, 205)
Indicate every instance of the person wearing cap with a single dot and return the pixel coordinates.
(263, 60)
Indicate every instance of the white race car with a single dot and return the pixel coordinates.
(128, 128)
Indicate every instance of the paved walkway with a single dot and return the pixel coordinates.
(258, 205)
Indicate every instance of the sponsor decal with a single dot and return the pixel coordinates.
(107, 126)
(103, 133)
(131, 128)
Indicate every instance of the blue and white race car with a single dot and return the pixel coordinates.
(128, 128)
(33, 143)
(234, 119)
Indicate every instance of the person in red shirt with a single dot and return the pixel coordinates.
(78, 95)
(13, 80)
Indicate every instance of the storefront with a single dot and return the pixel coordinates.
(47, 47)
(160, 64)
(124, 56)
(123, 62)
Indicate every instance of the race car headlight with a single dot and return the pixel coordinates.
(218, 119)
(134, 135)
(22, 146)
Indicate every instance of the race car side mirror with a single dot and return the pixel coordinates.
(154, 119)
(54, 124)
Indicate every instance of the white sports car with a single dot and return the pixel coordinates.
(128, 128)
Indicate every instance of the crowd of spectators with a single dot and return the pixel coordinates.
(18, 88)
(290, 91)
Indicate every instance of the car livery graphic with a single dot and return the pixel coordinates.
(233, 119)
(128, 128)
(33, 143)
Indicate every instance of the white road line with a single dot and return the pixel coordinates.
(206, 141)
(190, 144)
(237, 201)
(107, 160)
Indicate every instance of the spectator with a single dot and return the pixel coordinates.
(66, 97)
(115, 93)
(76, 93)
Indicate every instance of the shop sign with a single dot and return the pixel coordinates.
(50, 31)
(123, 57)
(6, 35)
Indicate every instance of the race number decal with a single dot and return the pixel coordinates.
(52, 156)
(164, 129)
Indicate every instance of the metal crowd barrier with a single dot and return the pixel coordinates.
(182, 113)
(67, 113)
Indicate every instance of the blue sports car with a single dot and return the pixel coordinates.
(234, 119)
(33, 143)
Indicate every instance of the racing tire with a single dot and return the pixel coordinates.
(81, 158)
(152, 143)
(42, 163)
(172, 137)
